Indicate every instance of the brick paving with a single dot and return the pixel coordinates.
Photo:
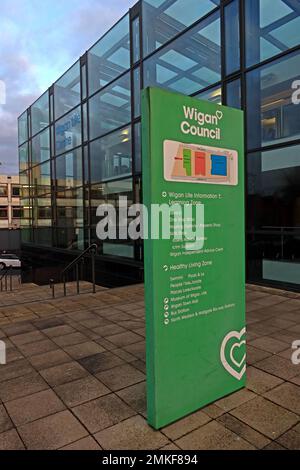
(75, 377)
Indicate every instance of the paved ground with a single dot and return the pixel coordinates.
(75, 377)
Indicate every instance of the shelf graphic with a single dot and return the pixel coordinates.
(200, 164)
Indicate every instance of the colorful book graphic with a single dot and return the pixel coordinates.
(200, 164)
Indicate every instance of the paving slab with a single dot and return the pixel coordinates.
(286, 395)
(22, 386)
(52, 432)
(81, 391)
(213, 436)
(121, 377)
(132, 434)
(103, 413)
(10, 440)
(63, 373)
(33, 407)
(266, 417)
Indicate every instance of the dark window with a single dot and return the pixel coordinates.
(272, 115)
(16, 191)
(3, 212)
(234, 94)
(232, 37)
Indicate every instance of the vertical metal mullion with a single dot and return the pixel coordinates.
(223, 53)
(244, 108)
(134, 66)
(89, 185)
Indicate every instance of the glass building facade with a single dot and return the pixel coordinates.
(80, 142)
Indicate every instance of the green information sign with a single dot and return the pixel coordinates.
(193, 158)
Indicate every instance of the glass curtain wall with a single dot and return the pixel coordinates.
(80, 143)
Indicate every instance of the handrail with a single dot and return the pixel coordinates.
(7, 272)
(75, 263)
(80, 257)
(6, 269)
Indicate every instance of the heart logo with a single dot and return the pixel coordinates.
(219, 115)
(236, 369)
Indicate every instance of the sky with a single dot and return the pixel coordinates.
(39, 41)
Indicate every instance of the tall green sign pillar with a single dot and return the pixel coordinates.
(193, 156)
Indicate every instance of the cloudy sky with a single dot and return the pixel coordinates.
(39, 40)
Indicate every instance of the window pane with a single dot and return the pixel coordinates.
(41, 180)
(40, 114)
(23, 157)
(162, 20)
(68, 132)
(41, 148)
(110, 193)
(214, 95)
(85, 122)
(137, 148)
(111, 108)
(273, 116)
(111, 156)
(69, 232)
(190, 63)
(3, 190)
(234, 94)
(232, 37)
(23, 131)
(272, 26)
(137, 91)
(67, 91)
(69, 170)
(136, 39)
(274, 235)
(83, 82)
(110, 57)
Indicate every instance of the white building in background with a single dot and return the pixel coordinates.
(10, 205)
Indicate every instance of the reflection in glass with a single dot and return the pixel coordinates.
(41, 179)
(110, 57)
(136, 52)
(190, 63)
(109, 193)
(273, 116)
(70, 232)
(111, 156)
(67, 93)
(162, 20)
(41, 148)
(234, 94)
(110, 108)
(69, 170)
(22, 127)
(272, 27)
(274, 235)
(40, 114)
(68, 132)
(137, 91)
(232, 37)
(137, 148)
(23, 157)
(214, 95)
